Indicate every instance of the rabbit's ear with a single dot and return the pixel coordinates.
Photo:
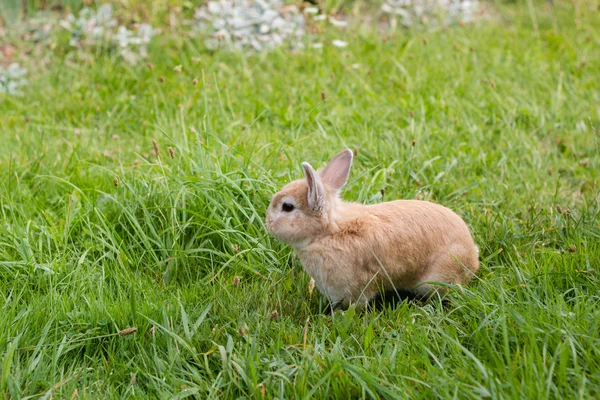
(316, 191)
(335, 173)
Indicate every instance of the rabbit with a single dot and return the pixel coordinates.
(352, 251)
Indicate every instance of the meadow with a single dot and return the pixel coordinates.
(134, 260)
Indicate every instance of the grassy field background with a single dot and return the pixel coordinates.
(498, 120)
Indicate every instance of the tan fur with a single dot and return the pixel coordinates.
(351, 250)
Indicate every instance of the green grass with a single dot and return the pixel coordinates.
(497, 121)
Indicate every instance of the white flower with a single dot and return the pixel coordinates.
(145, 33)
(104, 14)
(214, 7)
(339, 43)
(338, 22)
(68, 22)
(12, 78)
(123, 36)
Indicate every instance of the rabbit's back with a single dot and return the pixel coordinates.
(396, 244)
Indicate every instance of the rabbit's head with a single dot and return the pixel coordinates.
(303, 210)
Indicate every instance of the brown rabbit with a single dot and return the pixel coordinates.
(352, 250)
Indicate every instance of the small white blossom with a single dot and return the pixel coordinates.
(339, 43)
(12, 78)
(123, 37)
(338, 22)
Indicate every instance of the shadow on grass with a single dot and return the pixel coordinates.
(392, 299)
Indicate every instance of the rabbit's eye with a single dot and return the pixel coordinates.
(287, 207)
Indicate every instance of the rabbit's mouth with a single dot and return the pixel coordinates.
(269, 224)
